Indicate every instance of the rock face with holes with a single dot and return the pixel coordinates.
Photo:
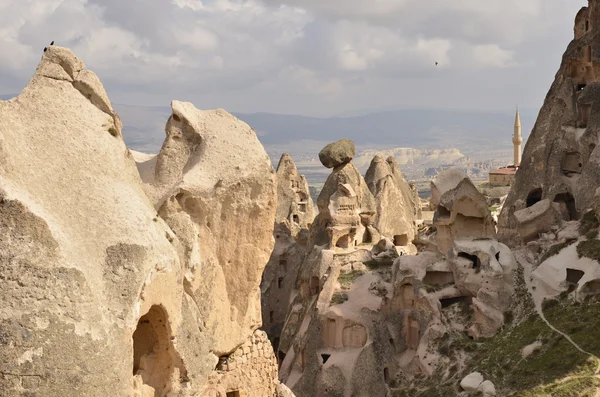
(115, 287)
(461, 211)
(347, 210)
(295, 214)
(395, 202)
(560, 160)
(295, 207)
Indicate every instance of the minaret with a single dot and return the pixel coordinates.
(517, 139)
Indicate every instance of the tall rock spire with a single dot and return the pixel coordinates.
(517, 139)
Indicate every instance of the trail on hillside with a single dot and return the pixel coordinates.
(527, 269)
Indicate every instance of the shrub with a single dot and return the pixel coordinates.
(589, 249)
(113, 131)
(338, 298)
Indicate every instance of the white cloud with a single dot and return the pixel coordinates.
(327, 55)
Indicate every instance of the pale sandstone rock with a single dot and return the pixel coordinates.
(537, 219)
(295, 213)
(395, 206)
(294, 204)
(461, 210)
(337, 153)
(561, 162)
(472, 381)
(346, 211)
(487, 388)
(102, 287)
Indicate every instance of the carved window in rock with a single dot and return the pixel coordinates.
(574, 275)
(296, 219)
(302, 207)
(283, 266)
(271, 317)
(534, 197)
(315, 287)
(401, 240)
(233, 394)
(567, 205)
(587, 54)
(572, 164)
(343, 242)
(280, 282)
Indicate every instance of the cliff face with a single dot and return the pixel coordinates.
(115, 287)
(560, 160)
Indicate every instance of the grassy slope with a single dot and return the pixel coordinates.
(557, 369)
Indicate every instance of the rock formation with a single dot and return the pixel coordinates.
(116, 287)
(346, 206)
(461, 210)
(295, 214)
(395, 202)
(560, 161)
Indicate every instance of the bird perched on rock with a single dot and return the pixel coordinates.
(45, 49)
(52, 43)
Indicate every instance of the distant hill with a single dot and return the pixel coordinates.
(144, 128)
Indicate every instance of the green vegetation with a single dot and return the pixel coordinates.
(113, 131)
(346, 279)
(433, 288)
(589, 249)
(493, 208)
(555, 250)
(556, 369)
(378, 264)
(588, 222)
(579, 320)
(338, 298)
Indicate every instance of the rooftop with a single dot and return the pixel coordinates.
(505, 171)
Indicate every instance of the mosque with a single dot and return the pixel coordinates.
(506, 176)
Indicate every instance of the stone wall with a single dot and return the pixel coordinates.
(250, 371)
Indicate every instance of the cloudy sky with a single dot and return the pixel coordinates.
(311, 57)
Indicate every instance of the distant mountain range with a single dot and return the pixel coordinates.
(409, 128)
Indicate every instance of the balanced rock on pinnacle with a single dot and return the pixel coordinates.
(337, 153)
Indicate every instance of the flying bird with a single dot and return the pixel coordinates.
(436, 64)
(52, 42)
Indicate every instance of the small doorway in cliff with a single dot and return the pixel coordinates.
(155, 359)
(574, 275)
(534, 197)
(296, 219)
(585, 110)
(474, 259)
(401, 240)
(466, 300)
(314, 285)
(234, 394)
(343, 242)
(587, 54)
(386, 376)
(367, 237)
(568, 209)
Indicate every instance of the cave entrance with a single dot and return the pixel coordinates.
(314, 285)
(154, 356)
(367, 237)
(438, 278)
(325, 357)
(474, 259)
(452, 301)
(574, 275)
(343, 242)
(386, 375)
(568, 209)
(534, 197)
(233, 394)
(401, 240)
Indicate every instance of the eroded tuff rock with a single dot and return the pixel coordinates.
(95, 286)
(295, 214)
(460, 209)
(395, 201)
(337, 153)
(295, 207)
(346, 210)
(560, 161)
